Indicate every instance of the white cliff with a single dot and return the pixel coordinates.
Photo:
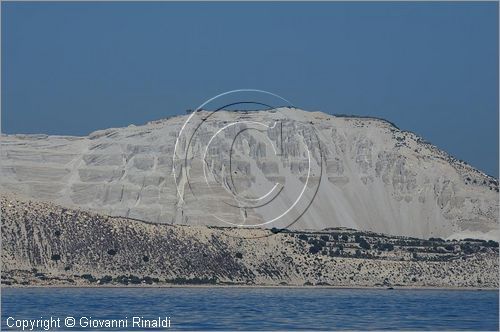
(373, 176)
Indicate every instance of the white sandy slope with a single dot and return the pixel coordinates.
(374, 176)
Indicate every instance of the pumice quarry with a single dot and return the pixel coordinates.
(354, 202)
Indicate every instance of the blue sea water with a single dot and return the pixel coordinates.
(261, 308)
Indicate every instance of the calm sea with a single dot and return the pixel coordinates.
(259, 308)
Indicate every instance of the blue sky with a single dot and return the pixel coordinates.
(431, 68)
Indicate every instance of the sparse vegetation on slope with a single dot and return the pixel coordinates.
(47, 244)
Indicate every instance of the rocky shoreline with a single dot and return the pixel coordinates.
(48, 245)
